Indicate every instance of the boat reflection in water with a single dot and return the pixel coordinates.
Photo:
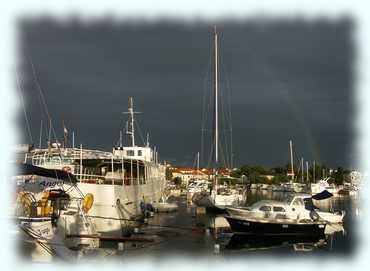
(333, 236)
(258, 242)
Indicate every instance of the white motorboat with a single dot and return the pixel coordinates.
(324, 184)
(272, 218)
(301, 206)
(198, 186)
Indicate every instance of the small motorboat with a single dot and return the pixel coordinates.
(301, 206)
(276, 226)
(325, 184)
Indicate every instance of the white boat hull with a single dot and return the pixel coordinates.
(116, 207)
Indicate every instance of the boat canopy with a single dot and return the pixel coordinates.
(322, 195)
(308, 204)
(28, 169)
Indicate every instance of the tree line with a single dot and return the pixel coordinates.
(276, 175)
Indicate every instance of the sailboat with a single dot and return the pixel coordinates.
(219, 197)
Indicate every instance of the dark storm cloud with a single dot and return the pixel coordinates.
(288, 79)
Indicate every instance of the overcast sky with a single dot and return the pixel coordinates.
(286, 79)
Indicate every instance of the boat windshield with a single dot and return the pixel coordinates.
(288, 198)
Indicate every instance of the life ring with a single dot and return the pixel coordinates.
(67, 169)
(87, 202)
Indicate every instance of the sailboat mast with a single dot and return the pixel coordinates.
(216, 104)
(291, 159)
(306, 171)
(216, 97)
(302, 170)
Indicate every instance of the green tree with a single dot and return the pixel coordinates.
(177, 181)
(338, 176)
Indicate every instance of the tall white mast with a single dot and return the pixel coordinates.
(291, 159)
(198, 163)
(216, 97)
(302, 169)
(306, 171)
(120, 138)
(216, 105)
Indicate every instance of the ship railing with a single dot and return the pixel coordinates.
(71, 152)
(98, 179)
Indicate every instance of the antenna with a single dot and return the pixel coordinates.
(130, 129)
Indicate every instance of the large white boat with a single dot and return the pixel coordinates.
(125, 182)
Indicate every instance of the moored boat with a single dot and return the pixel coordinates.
(299, 207)
(276, 226)
(121, 181)
(47, 213)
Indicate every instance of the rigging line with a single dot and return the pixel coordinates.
(229, 98)
(204, 100)
(42, 245)
(140, 132)
(41, 93)
(224, 132)
(209, 163)
(23, 105)
(195, 161)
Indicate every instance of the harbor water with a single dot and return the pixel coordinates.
(192, 231)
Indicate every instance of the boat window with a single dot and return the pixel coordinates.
(130, 153)
(278, 209)
(265, 208)
(297, 202)
(139, 153)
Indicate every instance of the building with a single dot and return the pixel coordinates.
(186, 174)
